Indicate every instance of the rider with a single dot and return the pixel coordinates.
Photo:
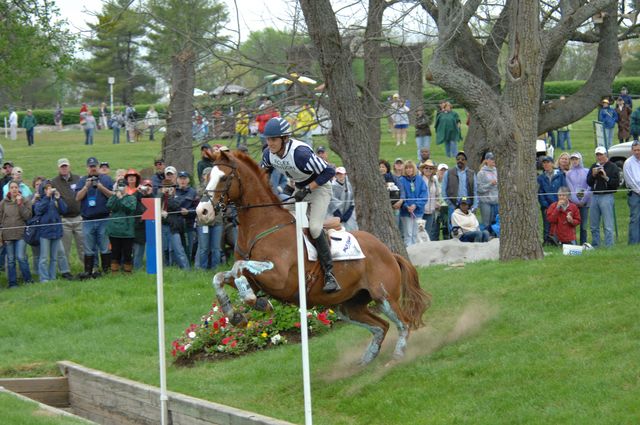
(312, 176)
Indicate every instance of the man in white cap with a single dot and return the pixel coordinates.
(604, 179)
(66, 183)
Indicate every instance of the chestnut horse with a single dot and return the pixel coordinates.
(266, 259)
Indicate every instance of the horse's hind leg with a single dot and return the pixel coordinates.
(391, 309)
(359, 314)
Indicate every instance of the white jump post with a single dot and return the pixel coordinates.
(160, 300)
(301, 222)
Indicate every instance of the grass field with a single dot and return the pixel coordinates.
(554, 341)
(541, 342)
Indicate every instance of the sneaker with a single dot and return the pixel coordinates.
(96, 274)
(84, 276)
(67, 276)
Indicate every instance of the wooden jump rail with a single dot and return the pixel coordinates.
(110, 400)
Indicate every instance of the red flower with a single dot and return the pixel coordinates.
(322, 317)
(297, 324)
(233, 344)
(226, 340)
(174, 352)
(181, 348)
(216, 325)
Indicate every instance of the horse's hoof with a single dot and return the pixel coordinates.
(238, 320)
(263, 304)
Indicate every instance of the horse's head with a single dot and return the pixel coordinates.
(223, 187)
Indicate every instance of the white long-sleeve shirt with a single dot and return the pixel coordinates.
(631, 171)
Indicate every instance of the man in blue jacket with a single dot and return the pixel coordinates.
(93, 191)
(608, 117)
(549, 181)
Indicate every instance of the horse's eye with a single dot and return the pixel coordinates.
(224, 178)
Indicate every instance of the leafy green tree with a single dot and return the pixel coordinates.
(183, 32)
(33, 40)
(115, 52)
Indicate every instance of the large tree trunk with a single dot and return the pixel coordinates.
(177, 147)
(351, 139)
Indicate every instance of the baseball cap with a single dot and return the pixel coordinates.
(489, 155)
(170, 169)
(104, 164)
(461, 153)
(63, 161)
(601, 149)
(183, 174)
(341, 170)
(9, 163)
(321, 149)
(92, 162)
(463, 200)
(443, 167)
(605, 100)
(575, 155)
(546, 158)
(205, 146)
(398, 160)
(158, 161)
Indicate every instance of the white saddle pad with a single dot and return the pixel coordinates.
(344, 246)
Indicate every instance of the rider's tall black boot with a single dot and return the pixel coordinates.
(324, 255)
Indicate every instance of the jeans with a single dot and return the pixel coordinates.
(409, 230)
(584, 223)
(634, 218)
(48, 254)
(152, 130)
(488, 214)
(209, 246)
(190, 239)
(608, 137)
(138, 255)
(431, 225)
(240, 137)
(564, 140)
(442, 222)
(17, 250)
(475, 236)
(88, 136)
(116, 134)
(166, 244)
(545, 224)
(307, 138)
(423, 142)
(179, 256)
(451, 148)
(95, 236)
(63, 263)
(30, 137)
(602, 206)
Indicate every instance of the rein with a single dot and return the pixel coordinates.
(224, 201)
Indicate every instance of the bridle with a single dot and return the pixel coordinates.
(223, 200)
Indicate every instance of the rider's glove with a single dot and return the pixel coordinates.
(300, 194)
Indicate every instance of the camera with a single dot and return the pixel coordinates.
(143, 188)
(93, 180)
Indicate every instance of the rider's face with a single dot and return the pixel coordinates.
(275, 144)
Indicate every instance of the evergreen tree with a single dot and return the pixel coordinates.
(115, 52)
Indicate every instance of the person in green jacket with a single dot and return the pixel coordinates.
(448, 129)
(635, 124)
(29, 123)
(121, 227)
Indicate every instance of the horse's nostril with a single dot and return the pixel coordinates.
(205, 212)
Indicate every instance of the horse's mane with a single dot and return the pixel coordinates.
(262, 176)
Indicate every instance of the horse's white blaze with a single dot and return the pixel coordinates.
(204, 210)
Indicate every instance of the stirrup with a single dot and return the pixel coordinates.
(331, 285)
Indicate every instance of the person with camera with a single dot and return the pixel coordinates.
(563, 216)
(93, 192)
(603, 179)
(15, 210)
(174, 222)
(121, 227)
(50, 207)
(576, 179)
(145, 190)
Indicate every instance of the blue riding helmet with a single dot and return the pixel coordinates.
(277, 127)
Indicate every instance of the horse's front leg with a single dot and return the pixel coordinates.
(242, 285)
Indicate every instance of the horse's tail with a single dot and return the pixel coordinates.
(414, 301)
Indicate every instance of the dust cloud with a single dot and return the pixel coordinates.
(449, 329)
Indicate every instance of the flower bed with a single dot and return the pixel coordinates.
(215, 338)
